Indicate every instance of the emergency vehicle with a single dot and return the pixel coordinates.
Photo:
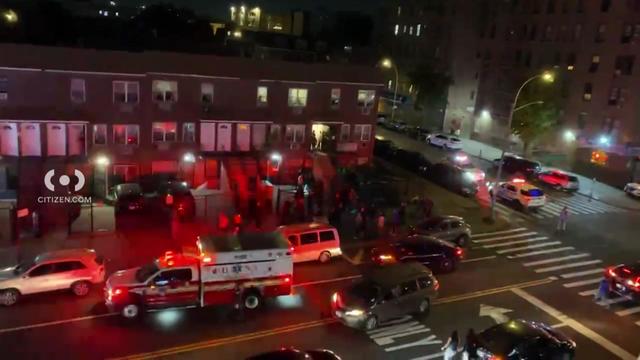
(241, 269)
(521, 192)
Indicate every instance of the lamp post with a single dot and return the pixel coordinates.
(545, 76)
(388, 64)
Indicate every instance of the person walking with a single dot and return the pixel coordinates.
(395, 221)
(450, 348)
(470, 350)
(562, 219)
(604, 287)
(380, 223)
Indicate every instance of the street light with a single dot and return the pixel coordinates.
(388, 64)
(10, 16)
(545, 76)
(569, 136)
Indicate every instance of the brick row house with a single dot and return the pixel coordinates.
(211, 121)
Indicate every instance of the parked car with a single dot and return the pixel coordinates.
(175, 195)
(527, 340)
(384, 149)
(312, 241)
(295, 354)
(411, 160)
(559, 180)
(625, 280)
(519, 191)
(447, 142)
(381, 120)
(632, 189)
(398, 125)
(448, 227)
(418, 133)
(436, 254)
(519, 166)
(127, 197)
(74, 269)
(461, 160)
(385, 293)
(453, 178)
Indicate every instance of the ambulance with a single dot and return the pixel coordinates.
(245, 268)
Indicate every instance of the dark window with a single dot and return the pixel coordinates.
(527, 59)
(492, 31)
(565, 6)
(327, 236)
(595, 63)
(624, 64)
(605, 5)
(557, 58)
(534, 32)
(518, 56)
(408, 288)
(577, 32)
(600, 33)
(614, 96)
(309, 238)
(627, 33)
(472, 95)
(293, 239)
(582, 120)
(424, 283)
(536, 6)
(588, 91)
(548, 33)
(580, 6)
(69, 266)
(571, 59)
(45, 269)
(551, 6)
(173, 275)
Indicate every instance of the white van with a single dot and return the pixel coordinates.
(312, 241)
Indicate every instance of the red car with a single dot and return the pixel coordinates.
(559, 180)
(625, 280)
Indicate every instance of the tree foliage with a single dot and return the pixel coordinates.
(431, 86)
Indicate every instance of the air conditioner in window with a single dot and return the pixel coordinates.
(4, 96)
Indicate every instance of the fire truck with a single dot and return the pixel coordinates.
(243, 269)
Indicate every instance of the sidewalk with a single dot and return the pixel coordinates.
(598, 191)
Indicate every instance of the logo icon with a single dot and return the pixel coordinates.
(64, 180)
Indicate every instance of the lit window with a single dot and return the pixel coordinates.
(399, 10)
(294, 133)
(206, 93)
(588, 91)
(262, 96)
(297, 97)
(362, 132)
(396, 29)
(366, 98)
(274, 133)
(126, 92)
(78, 94)
(126, 134)
(418, 28)
(335, 98)
(389, 84)
(410, 30)
(404, 29)
(99, 134)
(4, 88)
(164, 131)
(165, 91)
(189, 132)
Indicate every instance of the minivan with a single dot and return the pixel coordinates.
(312, 241)
(385, 293)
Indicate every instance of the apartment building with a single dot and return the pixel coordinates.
(207, 120)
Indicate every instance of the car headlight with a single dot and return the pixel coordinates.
(354, 312)
(469, 176)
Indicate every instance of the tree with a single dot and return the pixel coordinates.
(533, 121)
(431, 86)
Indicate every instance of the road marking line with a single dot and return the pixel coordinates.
(535, 246)
(499, 232)
(558, 259)
(309, 283)
(429, 357)
(509, 243)
(567, 266)
(628, 311)
(577, 326)
(498, 238)
(638, 323)
(540, 252)
(481, 293)
(583, 282)
(588, 292)
(478, 259)
(559, 325)
(581, 273)
(58, 322)
(399, 328)
(612, 301)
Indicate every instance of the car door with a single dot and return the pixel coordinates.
(309, 246)
(38, 279)
(65, 273)
(173, 287)
(444, 230)
(409, 297)
(389, 306)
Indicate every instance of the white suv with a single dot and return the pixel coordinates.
(74, 269)
(527, 195)
(447, 142)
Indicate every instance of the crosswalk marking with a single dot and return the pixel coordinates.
(558, 259)
(504, 237)
(540, 252)
(588, 292)
(612, 301)
(583, 282)
(509, 243)
(567, 266)
(628, 311)
(499, 232)
(581, 273)
(535, 246)
(429, 357)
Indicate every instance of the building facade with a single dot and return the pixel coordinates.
(207, 120)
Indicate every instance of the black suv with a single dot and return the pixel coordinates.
(438, 255)
(519, 166)
(453, 178)
(520, 339)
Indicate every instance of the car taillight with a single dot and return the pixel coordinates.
(611, 272)
(287, 280)
(458, 252)
(336, 300)
(436, 284)
(114, 293)
(635, 283)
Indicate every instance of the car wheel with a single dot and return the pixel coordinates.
(371, 323)
(252, 300)
(424, 307)
(429, 141)
(324, 257)
(81, 288)
(462, 240)
(9, 297)
(130, 311)
(447, 265)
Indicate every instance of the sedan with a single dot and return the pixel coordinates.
(559, 180)
(446, 142)
(625, 280)
(295, 354)
(450, 228)
(632, 189)
(436, 254)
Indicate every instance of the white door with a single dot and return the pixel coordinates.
(208, 136)
(30, 139)
(259, 132)
(76, 139)
(243, 137)
(9, 139)
(56, 140)
(224, 137)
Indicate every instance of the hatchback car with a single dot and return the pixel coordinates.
(74, 269)
(559, 180)
(385, 293)
(447, 142)
(437, 255)
(526, 340)
(450, 228)
(295, 354)
(625, 280)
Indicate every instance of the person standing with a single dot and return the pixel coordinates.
(450, 348)
(604, 287)
(470, 350)
(380, 222)
(562, 219)
(395, 221)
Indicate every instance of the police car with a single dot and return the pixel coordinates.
(518, 190)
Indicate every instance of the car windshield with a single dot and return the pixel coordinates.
(365, 291)
(146, 271)
(23, 267)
